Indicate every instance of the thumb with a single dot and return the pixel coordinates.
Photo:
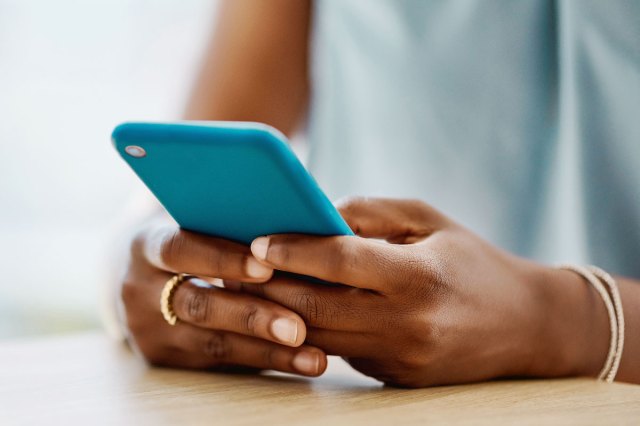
(395, 220)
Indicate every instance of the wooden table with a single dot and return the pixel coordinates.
(89, 379)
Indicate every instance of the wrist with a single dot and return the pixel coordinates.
(571, 336)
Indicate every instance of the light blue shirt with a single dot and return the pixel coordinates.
(519, 119)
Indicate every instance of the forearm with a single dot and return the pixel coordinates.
(255, 68)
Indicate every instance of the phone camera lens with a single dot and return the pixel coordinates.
(135, 151)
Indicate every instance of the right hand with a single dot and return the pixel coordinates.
(217, 328)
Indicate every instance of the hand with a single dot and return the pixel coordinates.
(217, 328)
(433, 304)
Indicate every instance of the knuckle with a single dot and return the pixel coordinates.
(431, 331)
(217, 347)
(350, 208)
(307, 305)
(428, 337)
(416, 275)
(423, 330)
(420, 274)
(197, 304)
(312, 308)
(268, 358)
(248, 318)
(349, 203)
(438, 276)
(342, 258)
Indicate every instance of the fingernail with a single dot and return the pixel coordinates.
(256, 269)
(285, 330)
(259, 247)
(306, 363)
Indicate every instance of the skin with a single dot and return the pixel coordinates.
(217, 328)
(427, 302)
(424, 300)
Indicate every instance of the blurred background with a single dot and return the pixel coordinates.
(69, 72)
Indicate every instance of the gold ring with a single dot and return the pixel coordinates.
(166, 297)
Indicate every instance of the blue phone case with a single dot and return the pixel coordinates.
(236, 181)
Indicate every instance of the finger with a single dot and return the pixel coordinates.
(335, 308)
(231, 285)
(209, 349)
(346, 344)
(351, 260)
(177, 250)
(400, 221)
(205, 306)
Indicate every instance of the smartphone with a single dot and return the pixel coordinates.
(233, 180)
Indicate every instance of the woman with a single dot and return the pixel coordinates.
(516, 118)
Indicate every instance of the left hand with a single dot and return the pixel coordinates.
(433, 304)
